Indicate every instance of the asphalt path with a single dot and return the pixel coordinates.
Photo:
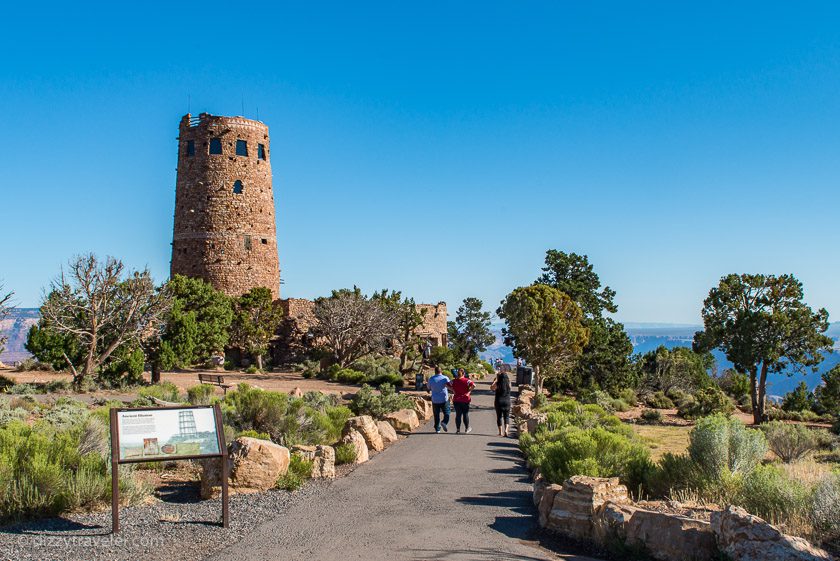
(428, 497)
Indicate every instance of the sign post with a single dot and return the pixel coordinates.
(157, 434)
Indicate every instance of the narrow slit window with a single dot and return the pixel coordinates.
(261, 151)
(191, 148)
(241, 147)
(238, 187)
(215, 145)
(264, 241)
(248, 242)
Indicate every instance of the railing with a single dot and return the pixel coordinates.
(195, 121)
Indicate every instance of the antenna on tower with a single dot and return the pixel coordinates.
(189, 103)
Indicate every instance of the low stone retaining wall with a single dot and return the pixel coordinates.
(599, 510)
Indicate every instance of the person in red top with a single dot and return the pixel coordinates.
(461, 388)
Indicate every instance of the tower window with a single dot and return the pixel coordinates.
(241, 148)
(264, 241)
(215, 145)
(261, 151)
(238, 187)
(248, 242)
(190, 148)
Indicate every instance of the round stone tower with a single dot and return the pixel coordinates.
(224, 206)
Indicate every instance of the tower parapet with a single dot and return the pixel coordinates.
(225, 230)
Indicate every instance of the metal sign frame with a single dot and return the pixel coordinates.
(116, 461)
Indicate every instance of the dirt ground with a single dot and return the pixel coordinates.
(278, 381)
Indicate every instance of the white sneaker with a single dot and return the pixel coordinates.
(469, 430)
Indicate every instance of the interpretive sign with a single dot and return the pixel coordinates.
(163, 434)
(157, 434)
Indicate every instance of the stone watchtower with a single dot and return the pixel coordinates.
(224, 206)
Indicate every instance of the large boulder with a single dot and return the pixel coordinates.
(322, 458)
(365, 425)
(547, 502)
(254, 465)
(670, 537)
(386, 432)
(581, 496)
(355, 438)
(403, 420)
(745, 537)
(535, 420)
(423, 407)
(521, 411)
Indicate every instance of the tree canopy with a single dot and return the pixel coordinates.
(763, 326)
(606, 360)
(351, 326)
(101, 308)
(470, 333)
(256, 317)
(544, 326)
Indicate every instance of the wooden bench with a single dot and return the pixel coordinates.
(216, 379)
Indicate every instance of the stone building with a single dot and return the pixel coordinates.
(299, 319)
(224, 205)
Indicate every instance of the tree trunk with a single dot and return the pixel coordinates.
(259, 363)
(155, 372)
(538, 381)
(762, 394)
(754, 397)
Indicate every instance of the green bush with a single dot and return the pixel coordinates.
(392, 379)
(22, 389)
(706, 401)
(300, 470)
(375, 366)
(251, 433)
(722, 446)
(652, 416)
(348, 376)
(605, 401)
(800, 399)
(123, 369)
(659, 400)
(824, 515)
(201, 394)
(45, 470)
(345, 454)
(585, 440)
(165, 391)
(55, 386)
(288, 421)
(252, 369)
(674, 473)
(735, 384)
(790, 442)
(628, 396)
(66, 414)
(10, 412)
(769, 493)
(308, 368)
(367, 402)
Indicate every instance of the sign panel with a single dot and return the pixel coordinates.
(170, 433)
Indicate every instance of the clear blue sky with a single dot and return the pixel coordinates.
(441, 147)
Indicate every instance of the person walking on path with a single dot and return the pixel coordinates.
(501, 386)
(439, 388)
(461, 388)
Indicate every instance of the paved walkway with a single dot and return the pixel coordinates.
(429, 497)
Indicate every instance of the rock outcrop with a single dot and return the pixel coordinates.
(669, 537)
(386, 432)
(423, 408)
(355, 438)
(403, 420)
(578, 500)
(254, 465)
(745, 537)
(322, 458)
(365, 425)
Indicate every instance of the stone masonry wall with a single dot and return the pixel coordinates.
(225, 233)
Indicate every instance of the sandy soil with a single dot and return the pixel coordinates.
(278, 381)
